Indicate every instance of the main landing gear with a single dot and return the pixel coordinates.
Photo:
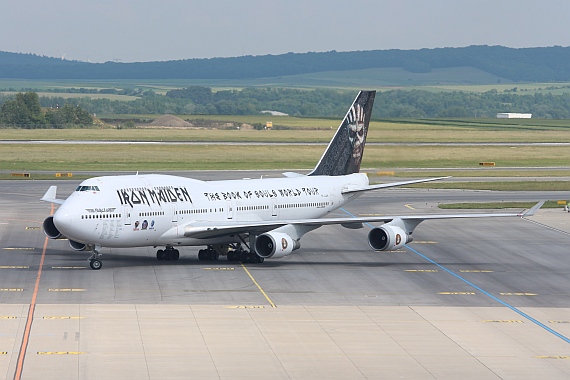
(245, 256)
(209, 254)
(169, 253)
(95, 259)
(233, 252)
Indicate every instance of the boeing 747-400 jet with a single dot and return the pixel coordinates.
(247, 220)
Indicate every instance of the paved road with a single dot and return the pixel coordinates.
(469, 298)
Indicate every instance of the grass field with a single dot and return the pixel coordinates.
(321, 130)
(496, 205)
(451, 79)
(500, 186)
(22, 157)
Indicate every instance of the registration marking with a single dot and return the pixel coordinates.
(457, 293)
(518, 294)
(66, 290)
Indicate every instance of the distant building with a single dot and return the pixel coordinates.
(275, 113)
(511, 115)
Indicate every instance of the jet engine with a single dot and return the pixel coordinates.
(77, 246)
(50, 229)
(275, 244)
(388, 238)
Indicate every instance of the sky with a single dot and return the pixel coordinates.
(151, 30)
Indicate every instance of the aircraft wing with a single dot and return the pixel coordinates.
(208, 230)
(391, 184)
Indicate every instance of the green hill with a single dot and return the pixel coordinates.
(467, 65)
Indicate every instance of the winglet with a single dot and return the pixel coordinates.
(50, 196)
(533, 210)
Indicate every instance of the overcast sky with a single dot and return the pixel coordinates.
(160, 30)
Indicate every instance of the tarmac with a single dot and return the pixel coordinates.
(481, 299)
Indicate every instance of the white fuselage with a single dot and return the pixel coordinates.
(152, 210)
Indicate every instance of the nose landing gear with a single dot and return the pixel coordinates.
(95, 259)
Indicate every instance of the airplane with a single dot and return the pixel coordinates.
(247, 220)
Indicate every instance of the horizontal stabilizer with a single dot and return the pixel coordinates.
(392, 184)
(293, 175)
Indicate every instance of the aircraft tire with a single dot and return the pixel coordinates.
(95, 264)
(175, 254)
(160, 254)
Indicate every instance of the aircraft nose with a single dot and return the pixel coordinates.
(62, 219)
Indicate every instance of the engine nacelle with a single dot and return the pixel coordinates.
(77, 246)
(388, 238)
(275, 244)
(50, 229)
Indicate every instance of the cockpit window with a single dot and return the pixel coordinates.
(87, 188)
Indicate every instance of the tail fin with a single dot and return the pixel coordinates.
(344, 153)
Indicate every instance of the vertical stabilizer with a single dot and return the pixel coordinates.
(344, 153)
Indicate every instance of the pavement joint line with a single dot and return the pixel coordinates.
(258, 287)
(520, 312)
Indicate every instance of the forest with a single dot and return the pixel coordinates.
(199, 100)
(541, 64)
(23, 109)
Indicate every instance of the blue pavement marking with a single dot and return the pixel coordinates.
(538, 323)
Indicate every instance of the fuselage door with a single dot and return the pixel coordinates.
(127, 210)
(230, 209)
(273, 207)
(174, 211)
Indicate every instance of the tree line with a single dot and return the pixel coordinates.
(542, 64)
(29, 109)
(25, 111)
(199, 100)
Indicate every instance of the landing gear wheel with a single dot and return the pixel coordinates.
(175, 255)
(95, 264)
(160, 254)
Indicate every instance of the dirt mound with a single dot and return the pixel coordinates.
(170, 121)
